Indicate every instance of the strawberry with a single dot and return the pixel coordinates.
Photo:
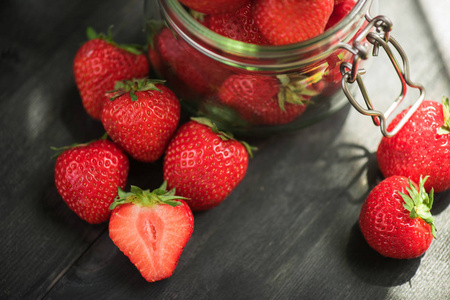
(151, 229)
(332, 76)
(189, 73)
(285, 22)
(265, 100)
(99, 63)
(238, 25)
(204, 164)
(87, 177)
(340, 11)
(163, 51)
(141, 117)
(215, 7)
(421, 147)
(395, 219)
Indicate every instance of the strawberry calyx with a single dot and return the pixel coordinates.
(295, 90)
(60, 150)
(419, 203)
(152, 28)
(132, 86)
(132, 48)
(146, 197)
(445, 129)
(224, 135)
(200, 17)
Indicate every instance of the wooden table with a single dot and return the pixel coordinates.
(289, 231)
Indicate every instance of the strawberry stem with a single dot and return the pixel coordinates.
(296, 89)
(153, 27)
(197, 15)
(146, 197)
(132, 86)
(60, 150)
(132, 48)
(419, 203)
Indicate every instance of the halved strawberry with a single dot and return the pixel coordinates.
(151, 229)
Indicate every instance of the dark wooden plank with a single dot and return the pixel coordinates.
(40, 107)
(288, 231)
(437, 16)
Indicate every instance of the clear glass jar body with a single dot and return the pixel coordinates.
(245, 88)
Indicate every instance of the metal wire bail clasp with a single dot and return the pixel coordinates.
(351, 73)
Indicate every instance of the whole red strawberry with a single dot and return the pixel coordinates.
(151, 229)
(141, 117)
(421, 147)
(216, 6)
(265, 100)
(204, 164)
(238, 25)
(163, 52)
(291, 21)
(395, 219)
(87, 177)
(189, 73)
(341, 9)
(99, 63)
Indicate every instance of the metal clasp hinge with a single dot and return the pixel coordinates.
(351, 73)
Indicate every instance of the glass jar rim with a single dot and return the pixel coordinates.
(257, 57)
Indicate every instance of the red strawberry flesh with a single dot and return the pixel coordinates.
(158, 244)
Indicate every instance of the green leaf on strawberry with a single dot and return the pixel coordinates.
(264, 100)
(296, 90)
(445, 129)
(419, 203)
(60, 150)
(143, 128)
(147, 197)
(132, 86)
(153, 27)
(149, 232)
(132, 48)
(395, 218)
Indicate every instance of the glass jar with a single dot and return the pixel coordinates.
(213, 75)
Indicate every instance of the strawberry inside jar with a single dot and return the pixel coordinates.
(255, 67)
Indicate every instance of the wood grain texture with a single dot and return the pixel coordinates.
(288, 231)
(436, 15)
